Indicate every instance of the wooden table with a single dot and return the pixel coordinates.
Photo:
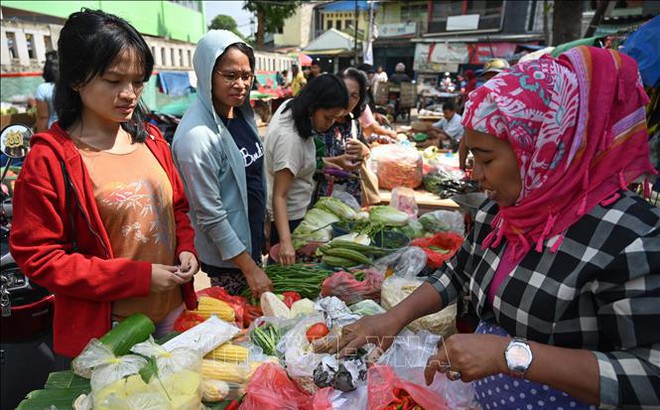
(426, 201)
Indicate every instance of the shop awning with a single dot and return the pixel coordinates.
(346, 5)
(331, 42)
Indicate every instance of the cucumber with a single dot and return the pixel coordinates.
(337, 262)
(134, 329)
(371, 250)
(356, 256)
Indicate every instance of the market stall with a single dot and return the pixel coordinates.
(235, 351)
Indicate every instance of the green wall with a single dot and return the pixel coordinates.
(155, 18)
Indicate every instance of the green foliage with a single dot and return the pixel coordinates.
(274, 11)
(224, 22)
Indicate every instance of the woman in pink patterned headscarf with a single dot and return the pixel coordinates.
(563, 263)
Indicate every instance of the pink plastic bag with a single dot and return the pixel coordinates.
(271, 388)
(382, 380)
(350, 290)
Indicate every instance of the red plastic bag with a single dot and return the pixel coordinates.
(271, 388)
(383, 384)
(449, 242)
(350, 290)
(186, 320)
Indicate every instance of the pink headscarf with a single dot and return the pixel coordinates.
(578, 128)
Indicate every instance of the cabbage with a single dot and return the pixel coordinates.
(413, 230)
(336, 207)
(319, 218)
(388, 216)
(354, 237)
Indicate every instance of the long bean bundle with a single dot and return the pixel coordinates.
(303, 278)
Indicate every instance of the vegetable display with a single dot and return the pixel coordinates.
(305, 279)
(266, 336)
(134, 329)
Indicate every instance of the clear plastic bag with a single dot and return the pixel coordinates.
(442, 221)
(410, 350)
(406, 262)
(299, 355)
(403, 199)
(383, 380)
(396, 288)
(204, 337)
(397, 165)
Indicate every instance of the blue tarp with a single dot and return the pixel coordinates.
(174, 83)
(347, 5)
(642, 45)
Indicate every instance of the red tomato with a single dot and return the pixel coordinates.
(316, 331)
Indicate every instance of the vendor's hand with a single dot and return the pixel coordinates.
(287, 255)
(474, 356)
(357, 148)
(165, 278)
(258, 282)
(391, 134)
(347, 162)
(379, 330)
(189, 265)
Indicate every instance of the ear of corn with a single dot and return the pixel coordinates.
(228, 372)
(214, 390)
(211, 306)
(229, 353)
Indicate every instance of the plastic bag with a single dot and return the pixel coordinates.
(169, 362)
(396, 288)
(382, 382)
(458, 395)
(410, 350)
(397, 165)
(346, 287)
(341, 194)
(203, 337)
(332, 399)
(439, 248)
(442, 221)
(335, 312)
(187, 320)
(366, 308)
(271, 388)
(406, 262)
(403, 199)
(298, 353)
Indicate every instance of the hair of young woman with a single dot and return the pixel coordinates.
(51, 67)
(361, 78)
(90, 42)
(243, 48)
(326, 91)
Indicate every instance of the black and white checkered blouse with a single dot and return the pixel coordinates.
(600, 291)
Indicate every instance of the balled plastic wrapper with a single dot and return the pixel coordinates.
(300, 357)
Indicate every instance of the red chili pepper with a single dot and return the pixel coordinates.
(234, 405)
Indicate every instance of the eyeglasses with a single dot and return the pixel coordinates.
(232, 78)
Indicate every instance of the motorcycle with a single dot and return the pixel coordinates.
(26, 354)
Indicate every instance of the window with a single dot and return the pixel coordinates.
(153, 51)
(180, 57)
(413, 12)
(29, 40)
(172, 61)
(11, 44)
(189, 4)
(490, 13)
(328, 26)
(338, 24)
(280, 30)
(163, 56)
(189, 58)
(48, 43)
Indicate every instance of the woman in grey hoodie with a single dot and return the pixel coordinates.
(220, 157)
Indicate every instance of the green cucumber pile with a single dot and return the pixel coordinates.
(346, 254)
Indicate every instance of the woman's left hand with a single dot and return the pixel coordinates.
(473, 356)
(357, 148)
(188, 264)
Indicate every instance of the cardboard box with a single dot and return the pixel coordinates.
(23, 118)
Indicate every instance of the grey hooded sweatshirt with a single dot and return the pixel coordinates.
(211, 166)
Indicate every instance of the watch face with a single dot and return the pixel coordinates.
(518, 355)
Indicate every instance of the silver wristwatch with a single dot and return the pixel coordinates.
(518, 357)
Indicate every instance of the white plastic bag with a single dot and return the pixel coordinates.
(203, 337)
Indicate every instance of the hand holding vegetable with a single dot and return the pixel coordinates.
(356, 148)
(377, 329)
(258, 281)
(287, 255)
(346, 162)
(165, 277)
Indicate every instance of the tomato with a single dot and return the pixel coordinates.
(316, 331)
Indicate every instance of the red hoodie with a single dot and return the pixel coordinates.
(85, 281)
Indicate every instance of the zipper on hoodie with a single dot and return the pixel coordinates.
(89, 222)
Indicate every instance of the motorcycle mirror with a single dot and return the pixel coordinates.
(15, 140)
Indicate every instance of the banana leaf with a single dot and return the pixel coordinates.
(66, 379)
(52, 399)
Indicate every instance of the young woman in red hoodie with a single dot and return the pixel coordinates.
(100, 214)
